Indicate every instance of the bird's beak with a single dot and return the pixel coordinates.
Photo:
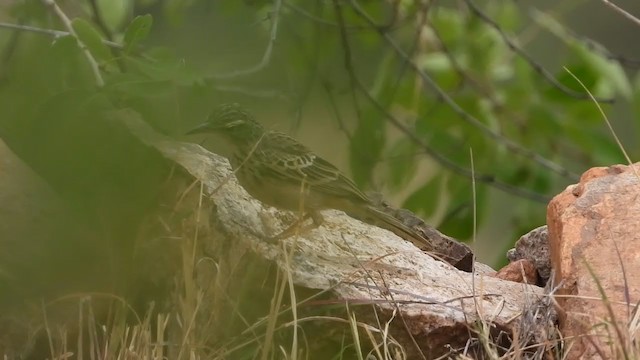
(202, 128)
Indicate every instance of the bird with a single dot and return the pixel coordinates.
(281, 172)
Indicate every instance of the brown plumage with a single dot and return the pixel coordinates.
(281, 172)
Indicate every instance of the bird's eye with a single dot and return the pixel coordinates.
(234, 123)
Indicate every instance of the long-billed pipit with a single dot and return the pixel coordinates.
(281, 172)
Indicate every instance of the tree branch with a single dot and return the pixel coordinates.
(67, 24)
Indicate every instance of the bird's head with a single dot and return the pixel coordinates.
(231, 121)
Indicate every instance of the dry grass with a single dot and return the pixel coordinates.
(223, 306)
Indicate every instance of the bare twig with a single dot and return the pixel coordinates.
(567, 35)
(67, 24)
(415, 45)
(622, 11)
(266, 58)
(347, 58)
(100, 22)
(51, 32)
(509, 144)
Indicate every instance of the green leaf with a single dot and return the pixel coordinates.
(612, 80)
(439, 66)
(609, 77)
(450, 25)
(586, 75)
(137, 31)
(434, 61)
(65, 53)
(92, 40)
(115, 12)
(64, 48)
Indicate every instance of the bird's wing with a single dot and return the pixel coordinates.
(293, 162)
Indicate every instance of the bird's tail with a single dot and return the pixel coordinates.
(407, 226)
(377, 217)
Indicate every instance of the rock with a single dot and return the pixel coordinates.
(534, 246)
(430, 304)
(594, 237)
(522, 271)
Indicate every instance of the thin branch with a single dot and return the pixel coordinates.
(567, 35)
(595, 47)
(509, 144)
(50, 32)
(415, 45)
(347, 57)
(622, 12)
(486, 179)
(465, 77)
(100, 22)
(448, 164)
(312, 62)
(535, 66)
(266, 58)
(326, 86)
(309, 50)
(67, 24)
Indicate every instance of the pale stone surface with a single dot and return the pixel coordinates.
(597, 223)
(355, 260)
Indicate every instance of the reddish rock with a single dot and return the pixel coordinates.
(597, 223)
(534, 246)
(522, 271)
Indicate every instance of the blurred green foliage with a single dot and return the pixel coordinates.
(172, 60)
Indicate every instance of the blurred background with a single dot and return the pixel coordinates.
(305, 88)
(442, 106)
